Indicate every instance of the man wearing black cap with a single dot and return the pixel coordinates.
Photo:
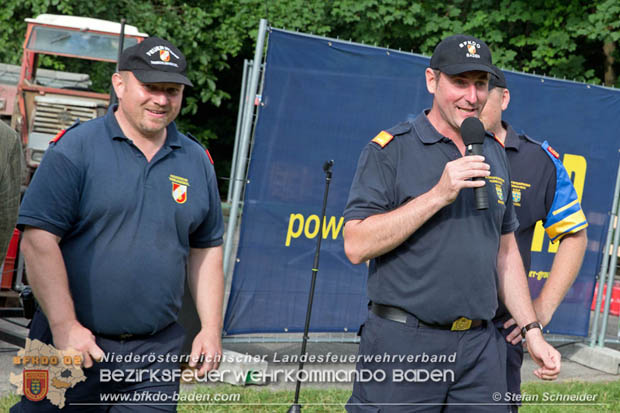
(120, 211)
(541, 191)
(437, 264)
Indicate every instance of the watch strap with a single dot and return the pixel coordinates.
(535, 324)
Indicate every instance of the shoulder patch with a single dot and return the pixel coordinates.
(552, 152)
(192, 137)
(383, 138)
(209, 155)
(63, 131)
(58, 136)
(565, 215)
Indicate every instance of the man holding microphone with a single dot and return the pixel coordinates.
(437, 264)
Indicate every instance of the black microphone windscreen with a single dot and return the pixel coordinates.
(328, 165)
(472, 131)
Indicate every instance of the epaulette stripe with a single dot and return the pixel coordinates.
(209, 155)
(63, 131)
(58, 136)
(553, 152)
(565, 207)
(383, 138)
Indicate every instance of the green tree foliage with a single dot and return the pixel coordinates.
(573, 39)
(559, 38)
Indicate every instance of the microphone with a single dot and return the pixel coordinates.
(472, 132)
(327, 168)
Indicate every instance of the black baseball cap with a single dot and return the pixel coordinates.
(462, 53)
(499, 80)
(155, 60)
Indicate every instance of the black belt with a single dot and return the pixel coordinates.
(122, 337)
(129, 336)
(400, 316)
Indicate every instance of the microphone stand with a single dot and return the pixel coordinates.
(327, 168)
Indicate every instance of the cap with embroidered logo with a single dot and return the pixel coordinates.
(155, 60)
(462, 53)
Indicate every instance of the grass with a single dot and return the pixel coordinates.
(263, 400)
(607, 394)
(7, 401)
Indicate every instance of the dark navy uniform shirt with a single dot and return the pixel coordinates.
(126, 225)
(448, 268)
(541, 191)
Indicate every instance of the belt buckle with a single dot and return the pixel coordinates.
(125, 336)
(461, 324)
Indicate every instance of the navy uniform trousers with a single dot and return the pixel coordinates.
(472, 380)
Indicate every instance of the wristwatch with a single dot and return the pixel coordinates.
(530, 326)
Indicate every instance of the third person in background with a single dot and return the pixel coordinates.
(541, 190)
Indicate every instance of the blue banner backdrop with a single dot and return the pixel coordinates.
(324, 99)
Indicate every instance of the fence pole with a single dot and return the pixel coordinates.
(610, 281)
(242, 96)
(245, 143)
(604, 266)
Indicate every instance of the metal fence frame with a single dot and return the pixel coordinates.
(238, 179)
(247, 67)
(607, 274)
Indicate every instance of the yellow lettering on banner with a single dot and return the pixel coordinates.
(317, 226)
(291, 223)
(332, 227)
(576, 166)
(539, 275)
(553, 247)
(538, 237)
(309, 227)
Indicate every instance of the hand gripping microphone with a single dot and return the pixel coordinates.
(472, 132)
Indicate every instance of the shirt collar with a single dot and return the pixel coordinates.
(425, 129)
(512, 139)
(116, 133)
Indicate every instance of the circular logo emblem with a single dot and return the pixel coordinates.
(164, 55)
